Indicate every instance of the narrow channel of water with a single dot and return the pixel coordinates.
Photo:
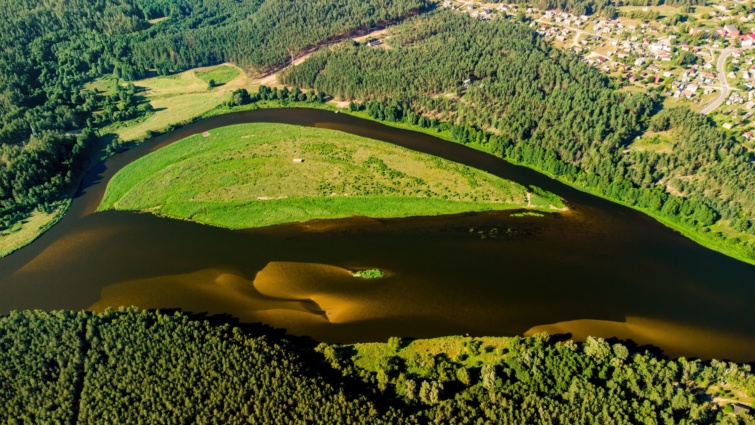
(598, 269)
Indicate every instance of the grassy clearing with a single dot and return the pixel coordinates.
(178, 98)
(103, 85)
(418, 353)
(219, 75)
(660, 142)
(25, 232)
(245, 176)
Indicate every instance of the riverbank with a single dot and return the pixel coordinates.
(707, 240)
(257, 175)
(31, 228)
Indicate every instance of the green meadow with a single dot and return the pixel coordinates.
(255, 175)
(219, 75)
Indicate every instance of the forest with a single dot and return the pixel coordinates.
(48, 120)
(133, 366)
(498, 86)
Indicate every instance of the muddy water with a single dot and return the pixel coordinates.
(598, 269)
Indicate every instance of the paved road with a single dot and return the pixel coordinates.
(720, 67)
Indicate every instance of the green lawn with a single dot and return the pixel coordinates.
(245, 176)
(220, 75)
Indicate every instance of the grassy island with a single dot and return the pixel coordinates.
(261, 174)
(369, 274)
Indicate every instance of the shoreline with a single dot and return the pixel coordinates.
(692, 235)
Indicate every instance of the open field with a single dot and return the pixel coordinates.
(219, 75)
(245, 176)
(179, 98)
(660, 142)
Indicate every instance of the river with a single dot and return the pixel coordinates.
(599, 268)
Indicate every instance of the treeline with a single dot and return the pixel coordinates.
(604, 8)
(131, 366)
(513, 94)
(37, 173)
(243, 97)
(53, 47)
(673, 3)
(535, 380)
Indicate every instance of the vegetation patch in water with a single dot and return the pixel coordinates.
(369, 274)
(261, 174)
(527, 214)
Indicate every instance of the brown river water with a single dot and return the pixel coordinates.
(597, 269)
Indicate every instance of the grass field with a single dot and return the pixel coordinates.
(220, 75)
(245, 176)
(176, 98)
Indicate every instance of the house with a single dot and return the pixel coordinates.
(298, 160)
(693, 31)
(747, 135)
(728, 31)
(728, 125)
(374, 43)
(747, 40)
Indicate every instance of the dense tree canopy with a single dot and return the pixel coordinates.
(135, 366)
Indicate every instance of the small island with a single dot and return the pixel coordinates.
(264, 174)
(369, 274)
